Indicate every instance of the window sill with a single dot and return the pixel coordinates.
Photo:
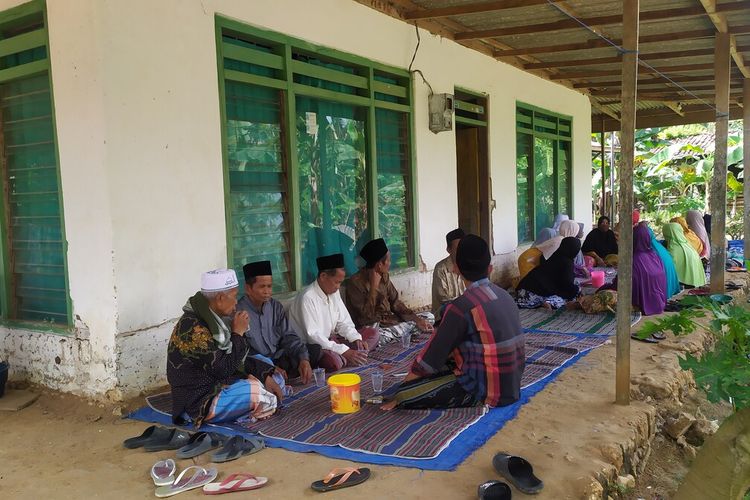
(30, 326)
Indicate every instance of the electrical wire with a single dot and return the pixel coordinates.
(414, 56)
(623, 50)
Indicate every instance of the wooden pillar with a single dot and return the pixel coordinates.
(612, 169)
(717, 201)
(746, 148)
(627, 156)
(603, 208)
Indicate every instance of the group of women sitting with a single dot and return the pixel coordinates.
(549, 268)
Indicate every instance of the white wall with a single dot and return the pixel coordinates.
(138, 120)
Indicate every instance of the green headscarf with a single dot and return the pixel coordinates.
(687, 263)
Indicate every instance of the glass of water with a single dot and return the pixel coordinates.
(377, 381)
(406, 340)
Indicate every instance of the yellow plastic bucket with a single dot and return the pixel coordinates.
(344, 392)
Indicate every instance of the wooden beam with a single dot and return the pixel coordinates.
(736, 87)
(472, 8)
(596, 43)
(675, 106)
(630, 28)
(604, 110)
(718, 187)
(654, 81)
(666, 118)
(719, 19)
(574, 62)
(746, 146)
(675, 54)
(661, 69)
(653, 15)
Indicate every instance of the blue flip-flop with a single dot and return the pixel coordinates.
(237, 447)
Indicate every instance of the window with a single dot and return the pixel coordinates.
(317, 154)
(34, 277)
(543, 169)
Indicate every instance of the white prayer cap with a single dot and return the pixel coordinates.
(219, 280)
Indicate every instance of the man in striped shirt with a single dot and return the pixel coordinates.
(476, 356)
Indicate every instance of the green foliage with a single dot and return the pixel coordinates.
(724, 372)
(674, 177)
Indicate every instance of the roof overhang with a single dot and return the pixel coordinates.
(574, 43)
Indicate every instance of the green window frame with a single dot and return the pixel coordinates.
(34, 289)
(544, 168)
(300, 94)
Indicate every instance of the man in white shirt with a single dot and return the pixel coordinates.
(322, 318)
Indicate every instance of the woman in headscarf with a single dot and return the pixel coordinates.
(601, 243)
(552, 284)
(649, 277)
(697, 223)
(673, 283)
(690, 236)
(544, 235)
(559, 218)
(687, 263)
(567, 228)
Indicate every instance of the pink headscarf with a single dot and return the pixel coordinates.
(568, 228)
(695, 222)
(636, 216)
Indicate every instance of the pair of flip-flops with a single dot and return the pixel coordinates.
(654, 338)
(238, 446)
(342, 478)
(157, 438)
(192, 477)
(199, 443)
(517, 471)
(195, 476)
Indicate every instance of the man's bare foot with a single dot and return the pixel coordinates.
(547, 306)
(389, 405)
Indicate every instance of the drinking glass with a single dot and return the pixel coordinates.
(320, 376)
(406, 340)
(377, 381)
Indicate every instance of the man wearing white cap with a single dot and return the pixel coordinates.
(208, 368)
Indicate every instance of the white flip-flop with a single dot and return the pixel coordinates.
(242, 481)
(162, 472)
(199, 477)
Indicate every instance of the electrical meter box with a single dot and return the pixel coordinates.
(441, 112)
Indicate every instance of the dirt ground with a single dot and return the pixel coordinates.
(669, 462)
(66, 447)
(572, 432)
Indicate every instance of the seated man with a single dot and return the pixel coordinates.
(373, 300)
(476, 356)
(601, 244)
(446, 285)
(270, 333)
(320, 315)
(208, 368)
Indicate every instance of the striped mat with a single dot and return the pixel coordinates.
(563, 320)
(419, 435)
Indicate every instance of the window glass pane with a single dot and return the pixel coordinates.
(36, 250)
(523, 187)
(332, 181)
(258, 200)
(563, 176)
(394, 181)
(544, 183)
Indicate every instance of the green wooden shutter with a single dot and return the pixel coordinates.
(258, 198)
(34, 236)
(394, 182)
